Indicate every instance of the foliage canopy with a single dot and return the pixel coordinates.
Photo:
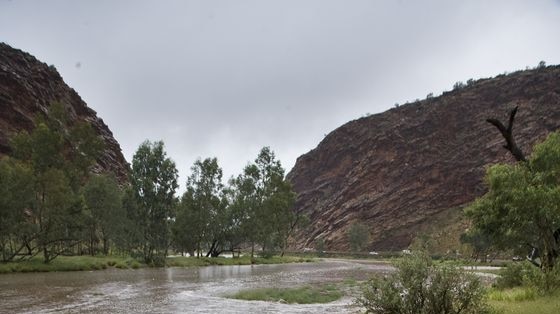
(521, 210)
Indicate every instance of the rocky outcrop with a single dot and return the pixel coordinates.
(28, 87)
(399, 170)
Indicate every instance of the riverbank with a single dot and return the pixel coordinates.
(70, 263)
(523, 300)
(181, 261)
(80, 263)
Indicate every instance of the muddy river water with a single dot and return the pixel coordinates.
(176, 290)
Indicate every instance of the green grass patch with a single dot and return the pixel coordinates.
(243, 260)
(301, 295)
(351, 282)
(69, 263)
(75, 263)
(518, 302)
(512, 295)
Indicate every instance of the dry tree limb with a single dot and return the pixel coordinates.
(507, 133)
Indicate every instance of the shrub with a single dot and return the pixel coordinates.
(525, 274)
(358, 236)
(512, 275)
(458, 85)
(134, 265)
(266, 254)
(543, 281)
(419, 287)
(320, 246)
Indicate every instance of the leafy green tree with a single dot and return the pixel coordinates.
(280, 206)
(244, 204)
(263, 201)
(202, 208)
(56, 207)
(234, 217)
(103, 200)
(185, 228)
(87, 148)
(16, 198)
(58, 156)
(59, 213)
(522, 205)
(358, 236)
(154, 181)
(320, 246)
(132, 238)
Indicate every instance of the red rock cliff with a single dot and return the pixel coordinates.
(395, 171)
(28, 87)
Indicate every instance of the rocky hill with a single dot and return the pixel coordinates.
(28, 87)
(400, 171)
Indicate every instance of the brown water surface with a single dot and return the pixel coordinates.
(175, 290)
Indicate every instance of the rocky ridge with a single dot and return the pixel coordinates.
(28, 87)
(398, 171)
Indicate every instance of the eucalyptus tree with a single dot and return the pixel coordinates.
(16, 198)
(154, 182)
(201, 211)
(264, 201)
(275, 209)
(244, 205)
(60, 156)
(103, 200)
(522, 206)
(358, 236)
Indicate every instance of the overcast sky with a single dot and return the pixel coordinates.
(225, 78)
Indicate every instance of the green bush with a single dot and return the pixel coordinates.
(266, 254)
(513, 275)
(526, 274)
(544, 282)
(135, 265)
(419, 287)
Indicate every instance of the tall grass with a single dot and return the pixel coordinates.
(524, 302)
(512, 295)
(69, 263)
(300, 295)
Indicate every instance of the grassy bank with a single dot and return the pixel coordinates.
(243, 260)
(523, 301)
(300, 295)
(69, 263)
(75, 263)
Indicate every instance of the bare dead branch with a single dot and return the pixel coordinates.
(507, 133)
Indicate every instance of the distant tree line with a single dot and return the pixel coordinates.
(52, 204)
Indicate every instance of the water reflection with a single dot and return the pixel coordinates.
(212, 272)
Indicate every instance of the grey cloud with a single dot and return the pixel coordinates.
(223, 78)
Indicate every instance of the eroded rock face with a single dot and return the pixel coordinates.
(395, 171)
(28, 87)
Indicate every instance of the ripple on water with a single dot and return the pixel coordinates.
(176, 290)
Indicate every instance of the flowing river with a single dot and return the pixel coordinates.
(176, 290)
